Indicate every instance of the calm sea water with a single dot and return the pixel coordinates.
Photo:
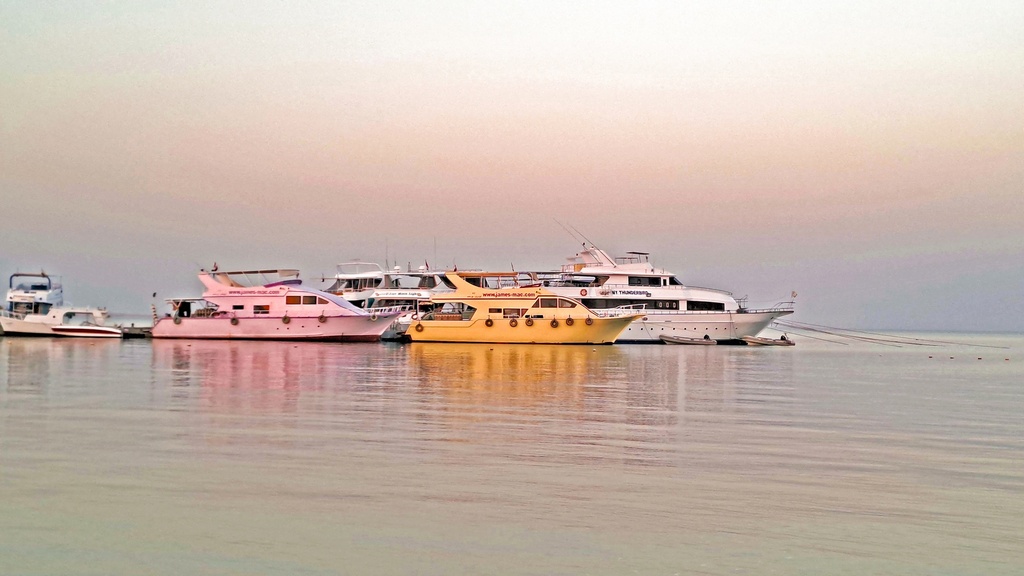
(164, 457)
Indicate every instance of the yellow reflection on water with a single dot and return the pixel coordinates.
(512, 374)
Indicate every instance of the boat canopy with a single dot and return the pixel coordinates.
(249, 278)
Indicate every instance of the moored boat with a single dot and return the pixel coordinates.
(631, 283)
(691, 341)
(268, 305)
(756, 341)
(35, 307)
(370, 287)
(511, 314)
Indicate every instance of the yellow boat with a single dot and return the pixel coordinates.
(512, 314)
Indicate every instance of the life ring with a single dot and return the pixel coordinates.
(589, 321)
(177, 319)
(513, 323)
(322, 319)
(489, 323)
(373, 317)
(569, 321)
(285, 319)
(554, 323)
(583, 292)
(529, 321)
(419, 327)
(234, 321)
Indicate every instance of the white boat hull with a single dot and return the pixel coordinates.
(18, 327)
(334, 328)
(715, 325)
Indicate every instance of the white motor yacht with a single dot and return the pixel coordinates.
(381, 291)
(35, 307)
(629, 284)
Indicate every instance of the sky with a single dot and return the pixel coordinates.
(867, 155)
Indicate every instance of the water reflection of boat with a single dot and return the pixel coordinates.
(512, 374)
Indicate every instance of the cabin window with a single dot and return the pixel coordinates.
(261, 309)
(673, 281)
(321, 300)
(644, 281)
(546, 303)
(566, 304)
(513, 313)
(293, 300)
(427, 282)
(704, 306)
(238, 307)
(494, 310)
(309, 300)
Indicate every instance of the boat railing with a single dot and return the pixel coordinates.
(389, 309)
(634, 308)
(605, 289)
(12, 315)
(670, 287)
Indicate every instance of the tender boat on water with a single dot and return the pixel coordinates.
(755, 341)
(631, 284)
(268, 305)
(473, 312)
(35, 307)
(691, 341)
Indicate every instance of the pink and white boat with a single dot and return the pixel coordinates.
(268, 305)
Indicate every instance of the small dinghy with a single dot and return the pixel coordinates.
(683, 340)
(755, 341)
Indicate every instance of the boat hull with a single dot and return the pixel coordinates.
(502, 331)
(334, 329)
(18, 327)
(717, 326)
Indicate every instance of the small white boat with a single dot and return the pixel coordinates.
(756, 341)
(61, 321)
(683, 340)
(35, 307)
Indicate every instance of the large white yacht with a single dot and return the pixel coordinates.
(609, 285)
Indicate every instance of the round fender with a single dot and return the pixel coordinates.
(322, 319)
(569, 321)
(373, 317)
(489, 323)
(513, 323)
(529, 321)
(589, 321)
(285, 319)
(554, 323)
(419, 327)
(177, 319)
(234, 321)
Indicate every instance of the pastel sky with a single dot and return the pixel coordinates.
(868, 155)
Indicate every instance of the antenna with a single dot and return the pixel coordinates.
(582, 236)
(577, 237)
